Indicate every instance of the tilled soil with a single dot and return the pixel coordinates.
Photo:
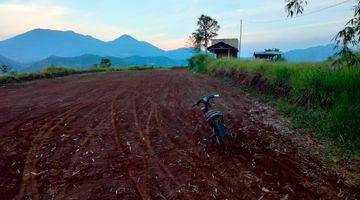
(135, 135)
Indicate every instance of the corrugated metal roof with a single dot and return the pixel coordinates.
(231, 41)
(269, 52)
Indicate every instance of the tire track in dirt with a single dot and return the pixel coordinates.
(7, 122)
(146, 137)
(22, 148)
(143, 135)
(29, 183)
(88, 154)
(28, 179)
(59, 151)
(170, 145)
(141, 188)
(74, 163)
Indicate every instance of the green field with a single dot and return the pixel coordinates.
(322, 98)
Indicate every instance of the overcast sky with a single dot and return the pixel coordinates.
(168, 23)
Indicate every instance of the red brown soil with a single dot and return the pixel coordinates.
(134, 135)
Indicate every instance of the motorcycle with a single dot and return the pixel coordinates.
(216, 120)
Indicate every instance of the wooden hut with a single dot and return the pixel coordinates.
(224, 48)
(268, 54)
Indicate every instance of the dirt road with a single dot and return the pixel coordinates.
(134, 135)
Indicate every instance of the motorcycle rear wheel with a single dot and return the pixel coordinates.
(226, 145)
(223, 143)
(222, 136)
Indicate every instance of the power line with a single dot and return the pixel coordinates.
(298, 16)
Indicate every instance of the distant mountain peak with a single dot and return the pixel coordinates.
(125, 37)
(40, 30)
(50, 31)
(44, 30)
(33, 31)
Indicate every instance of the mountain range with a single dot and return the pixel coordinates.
(39, 48)
(312, 54)
(39, 44)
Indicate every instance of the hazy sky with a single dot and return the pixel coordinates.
(168, 23)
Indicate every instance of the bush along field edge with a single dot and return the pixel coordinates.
(56, 71)
(319, 98)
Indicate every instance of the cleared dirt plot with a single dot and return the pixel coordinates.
(134, 135)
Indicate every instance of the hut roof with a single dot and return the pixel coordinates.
(221, 45)
(231, 41)
(268, 53)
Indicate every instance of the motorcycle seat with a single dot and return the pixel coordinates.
(211, 113)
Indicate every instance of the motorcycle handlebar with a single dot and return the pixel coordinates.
(206, 100)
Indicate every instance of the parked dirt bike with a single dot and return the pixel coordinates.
(216, 121)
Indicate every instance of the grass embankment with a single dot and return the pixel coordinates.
(52, 72)
(319, 98)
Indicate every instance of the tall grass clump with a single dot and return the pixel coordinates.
(318, 96)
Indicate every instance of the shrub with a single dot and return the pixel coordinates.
(198, 63)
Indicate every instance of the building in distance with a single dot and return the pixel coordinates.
(224, 48)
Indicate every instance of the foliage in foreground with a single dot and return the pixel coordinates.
(347, 37)
(54, 71)
(319, 97)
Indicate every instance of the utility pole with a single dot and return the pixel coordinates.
(240, 38)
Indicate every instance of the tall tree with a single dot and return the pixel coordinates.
(207, 29)
(348, 36)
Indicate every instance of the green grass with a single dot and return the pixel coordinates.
(319, 97)
(55, 71)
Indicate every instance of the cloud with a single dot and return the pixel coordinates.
(17, 17)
